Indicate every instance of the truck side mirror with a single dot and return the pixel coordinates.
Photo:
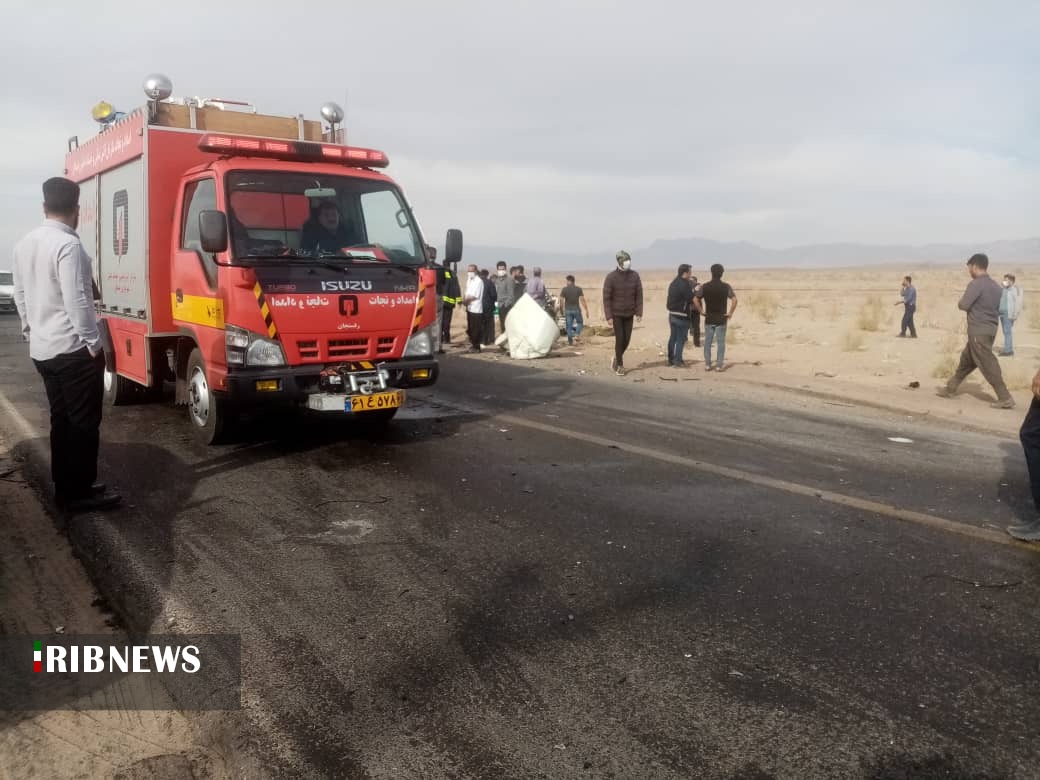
(453, 246)
(213, 231)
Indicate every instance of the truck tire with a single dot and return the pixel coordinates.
(119, 390)
(209, 414)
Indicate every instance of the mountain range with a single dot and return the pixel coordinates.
(702, 252)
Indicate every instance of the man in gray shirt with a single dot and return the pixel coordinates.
(981, 301)
(53, 292)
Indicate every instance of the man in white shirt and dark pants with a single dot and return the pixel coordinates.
(473, 299)
(54, 295)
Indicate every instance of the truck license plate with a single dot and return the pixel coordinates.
(371, 403)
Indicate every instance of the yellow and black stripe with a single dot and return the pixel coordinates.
(419, 309)
(265, 310)
(364, 365)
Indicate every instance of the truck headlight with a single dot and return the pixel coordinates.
(244, 348)
(423, 343)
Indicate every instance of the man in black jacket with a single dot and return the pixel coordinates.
(680, 297)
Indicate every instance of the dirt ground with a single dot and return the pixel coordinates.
(43, 588)
(823, 331)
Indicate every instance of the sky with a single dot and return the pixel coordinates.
(578, 126)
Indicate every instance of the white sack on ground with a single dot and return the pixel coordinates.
(530, 330)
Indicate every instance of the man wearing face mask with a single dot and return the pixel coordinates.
(1010, 310)
(505, 289)
(622, 303)
(473, 300)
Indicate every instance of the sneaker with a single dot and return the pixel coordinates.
(1029, 532)
(680, 364)
(720, 368)
(901, 336)
(613, 364)
(707, 366)
(944, 392)
(620, 370)
(1007, 403)
(1005, 354)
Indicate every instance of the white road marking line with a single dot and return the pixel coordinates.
(795, 488)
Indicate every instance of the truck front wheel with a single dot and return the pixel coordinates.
(210, 414)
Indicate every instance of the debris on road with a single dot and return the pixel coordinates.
(900, 440)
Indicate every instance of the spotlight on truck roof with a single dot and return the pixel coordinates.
(104, 113)
(157, 86)
(332, 112)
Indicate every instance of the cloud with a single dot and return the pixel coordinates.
(580, 125)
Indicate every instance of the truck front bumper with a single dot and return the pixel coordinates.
(293, 384)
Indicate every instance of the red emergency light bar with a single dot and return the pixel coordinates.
(308, 151)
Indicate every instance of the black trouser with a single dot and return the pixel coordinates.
(622, 337)
(502, 312)
(908, 320)
(1030, 437)
(474, 328)
(446, 312)
(488, 334)
(75, 388)
(695, 327)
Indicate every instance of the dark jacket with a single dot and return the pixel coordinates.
(981, 300)
(315, 238)
(622, 295)
(680, 296)
(490, 296)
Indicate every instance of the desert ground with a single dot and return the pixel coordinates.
(830, 332)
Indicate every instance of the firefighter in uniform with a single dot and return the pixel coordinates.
(451, 296)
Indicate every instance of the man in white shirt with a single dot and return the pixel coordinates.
(53, 292)
(473, 300)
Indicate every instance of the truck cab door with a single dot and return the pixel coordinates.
(195, 294)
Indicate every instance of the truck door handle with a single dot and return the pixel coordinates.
(180, 295)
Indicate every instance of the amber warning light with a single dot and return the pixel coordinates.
(293, 150)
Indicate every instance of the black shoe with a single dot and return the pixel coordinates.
(98, 488)
(902, 335)
(93, 503)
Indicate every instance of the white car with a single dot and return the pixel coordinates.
(6, 291)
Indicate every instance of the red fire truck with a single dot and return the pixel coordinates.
(250, 260)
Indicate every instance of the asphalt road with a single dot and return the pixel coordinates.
(539, 574)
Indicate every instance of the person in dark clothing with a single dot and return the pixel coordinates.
(519, 283)
(54, 296)
(573, 300)
(981, 302)
(680, 299)
(505, 290)
(450, 298)
(489, 300)
(695, 316)
(622, 302)
(909, 303)
(1029, 435)
(325, 231)
(717, 302)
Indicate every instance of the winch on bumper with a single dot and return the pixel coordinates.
(306, 385)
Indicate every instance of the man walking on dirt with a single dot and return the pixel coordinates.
(573, 298)
(622, 302)
(981, 301)
(53, 292)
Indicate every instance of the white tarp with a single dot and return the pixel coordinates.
(530, 331)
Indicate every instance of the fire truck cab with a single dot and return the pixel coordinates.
(251, 260)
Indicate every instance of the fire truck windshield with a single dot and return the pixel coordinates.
(276, 214)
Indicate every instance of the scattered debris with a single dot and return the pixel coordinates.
(687, 655)
(914, 385)
(826, 374)
(974, 583)
(559, 746)
(59, 629)
(900, 440)
(735, 673)
(668, 378)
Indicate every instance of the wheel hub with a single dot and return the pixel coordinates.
(198, 398)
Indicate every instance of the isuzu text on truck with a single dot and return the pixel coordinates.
(251, 260)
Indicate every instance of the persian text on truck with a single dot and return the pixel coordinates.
(251, 260)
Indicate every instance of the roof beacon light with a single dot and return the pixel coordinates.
(308, 151)
(157, 86)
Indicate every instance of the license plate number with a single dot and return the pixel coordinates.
(376, 401)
